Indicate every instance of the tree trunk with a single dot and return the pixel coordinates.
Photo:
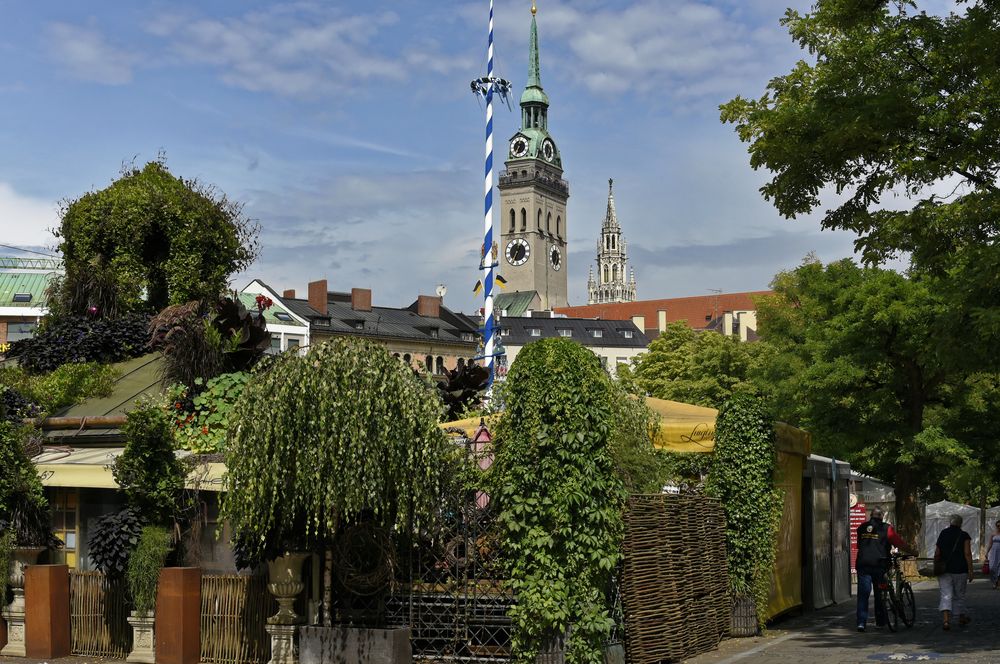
(908, 515)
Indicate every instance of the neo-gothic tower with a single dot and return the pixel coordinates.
(613, 283)
(533, 194)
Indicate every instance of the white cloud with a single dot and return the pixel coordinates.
(87, 55)
(26, 221)
(290, 50)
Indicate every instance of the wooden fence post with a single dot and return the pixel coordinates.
(46, 611)
(178, 616)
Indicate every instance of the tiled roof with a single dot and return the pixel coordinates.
(613, 333)
(31, 283)
(386, 322)
(696, 311)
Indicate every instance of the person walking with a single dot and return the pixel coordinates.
(953, 553)
(993, 556)
(875, 537)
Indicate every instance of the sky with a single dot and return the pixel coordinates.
(349, 133)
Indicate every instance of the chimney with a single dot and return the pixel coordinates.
(318, 295)
(361, 299)
(428, 306)
(661, 320)
(288, 294)
(640, 322)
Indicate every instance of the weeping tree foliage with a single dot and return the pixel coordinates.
(347, 431)
(742, 477)
(560, 496)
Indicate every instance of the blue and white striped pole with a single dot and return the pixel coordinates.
(488, 325)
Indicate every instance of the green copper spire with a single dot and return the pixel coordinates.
(533, 91)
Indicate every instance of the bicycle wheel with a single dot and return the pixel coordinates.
(907, 605)
(891, 610)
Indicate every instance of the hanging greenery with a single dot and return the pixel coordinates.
(19, 481)
(201, 422)
(321, 439)
(742, 477)
(560, 498)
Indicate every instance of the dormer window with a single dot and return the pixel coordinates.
(534, 331)
(565, 332)
(597, 334)
(469, 336)
(22, 297)
(282, 316)
(627, 333)
(433, 332)
(359, 325)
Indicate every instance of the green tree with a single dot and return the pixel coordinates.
(701, 368)
(894, 111)
(854, 357)
(560, 497)
(148, 240)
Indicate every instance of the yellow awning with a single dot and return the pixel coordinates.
(90, 468)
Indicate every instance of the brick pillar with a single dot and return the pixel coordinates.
(46, 611)
(178, 616)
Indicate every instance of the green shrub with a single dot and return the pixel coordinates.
(19, 481)
(742, 477)
(202, 423)
(65, 386)
(560, 498)
(7, 543)
(633, 431)
(144, 565)
(148, 471)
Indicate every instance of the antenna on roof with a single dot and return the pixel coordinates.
(715, 309)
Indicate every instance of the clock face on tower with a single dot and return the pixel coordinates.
(555, 258)
(548, 150)
(517, 251)
(519, 146)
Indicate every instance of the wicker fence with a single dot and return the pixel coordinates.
(98, 612)
(674, 587)
(234, 610)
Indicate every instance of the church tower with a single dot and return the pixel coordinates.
(613, 284)
(533, 194)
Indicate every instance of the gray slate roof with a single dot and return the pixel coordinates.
(386, 322)
(517, 331)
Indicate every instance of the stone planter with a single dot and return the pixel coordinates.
(354, 645)
(285, 583)
(143, 644)
(14, 613)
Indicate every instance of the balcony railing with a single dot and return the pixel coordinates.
(512, 178)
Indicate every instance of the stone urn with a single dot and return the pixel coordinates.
(143, 645)
(285, 583)
(21, 557)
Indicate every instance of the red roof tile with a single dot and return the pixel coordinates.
(696, 311)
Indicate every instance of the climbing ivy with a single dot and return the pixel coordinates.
(560, 498)
(742, 476)
(321, 439)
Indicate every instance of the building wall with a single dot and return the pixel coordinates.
(611, 357)
(451, 355)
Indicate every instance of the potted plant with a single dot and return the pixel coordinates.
(318, 442)
(144, 565)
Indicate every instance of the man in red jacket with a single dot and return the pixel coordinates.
(875, 537)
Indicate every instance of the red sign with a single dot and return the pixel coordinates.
(859, 514)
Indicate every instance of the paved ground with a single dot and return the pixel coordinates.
(830, 636)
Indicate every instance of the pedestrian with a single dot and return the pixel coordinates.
(993, 556)
(875, 537)
(953, 558)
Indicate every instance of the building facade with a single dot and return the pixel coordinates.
(614, 282)
(426, 335)
(731, 314)
(533, 194)
(24, 284)
(614, 342)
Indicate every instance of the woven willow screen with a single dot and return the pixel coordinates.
(674, 586)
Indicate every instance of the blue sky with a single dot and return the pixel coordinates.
(349, 132)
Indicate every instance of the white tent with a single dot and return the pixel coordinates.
(937, 517)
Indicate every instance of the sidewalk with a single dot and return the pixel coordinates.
(830, 636)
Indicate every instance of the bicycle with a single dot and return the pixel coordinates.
(897, 595)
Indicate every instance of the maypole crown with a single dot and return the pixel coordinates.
(534, 9)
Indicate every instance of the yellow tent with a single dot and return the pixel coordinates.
(688, 428)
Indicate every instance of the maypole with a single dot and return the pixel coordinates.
(487, 87)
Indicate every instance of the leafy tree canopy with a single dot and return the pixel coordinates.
(895, 112)
(854, 357)
(148, 240)
(704, 369)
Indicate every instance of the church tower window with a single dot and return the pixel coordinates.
(539, 220)
(524, 219)
(512, 220)
(558, 226)
(548, 223)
